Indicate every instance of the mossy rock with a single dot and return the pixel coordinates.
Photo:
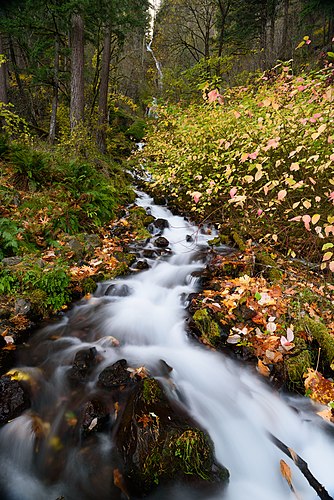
(125, 257)
(88, 285)
(140, 220)
(158, 442)
(268, 267)
(38, 299)
(319, 332)
(297, 365)
(209, 329)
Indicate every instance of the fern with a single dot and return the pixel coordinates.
(8, 241)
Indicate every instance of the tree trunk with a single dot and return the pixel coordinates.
(77, 70)
(284, 46)
(53, 119)
(103, 94)
(224, 8)
(3, 75)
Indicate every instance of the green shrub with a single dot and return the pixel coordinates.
(53, 281)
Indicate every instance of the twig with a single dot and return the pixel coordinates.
(303, 467)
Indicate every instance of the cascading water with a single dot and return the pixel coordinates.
(141, 318)
(157, 65)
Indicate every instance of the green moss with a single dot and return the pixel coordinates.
(38, 299)
(207, 326)
(319, 332)
(268, 267)
(297, 366)
(151, 391)
(139, 220)
(193, 453)
(238, 240)
(88, 285)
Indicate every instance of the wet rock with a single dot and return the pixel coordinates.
(161, 224)
(189, 238)
(11, 261)
(115, 376)
(116, 290)
(158, 442)
(7, 360)
(22, 307)
(84, 363)
(13, 399)
(149, 253)
(161, 242)
(95, 417)
(142, 265)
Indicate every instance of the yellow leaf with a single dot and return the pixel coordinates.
(315, 218)
(307, 204)
(18, 375)
(327, 256)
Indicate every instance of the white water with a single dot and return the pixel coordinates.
(157, 65)
(232, 404)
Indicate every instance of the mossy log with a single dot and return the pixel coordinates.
(209, 329)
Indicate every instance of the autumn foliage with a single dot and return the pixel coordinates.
(259, 157)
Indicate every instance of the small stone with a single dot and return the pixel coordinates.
(22, 307)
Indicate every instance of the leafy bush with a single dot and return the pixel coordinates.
(263, 160)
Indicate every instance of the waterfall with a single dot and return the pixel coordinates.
(157, 65)
(144, 314)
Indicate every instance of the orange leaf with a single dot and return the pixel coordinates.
(286, 472)
(263, 369)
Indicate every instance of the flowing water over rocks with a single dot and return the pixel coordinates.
(118, 393)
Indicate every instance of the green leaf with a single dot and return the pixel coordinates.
(258, 296)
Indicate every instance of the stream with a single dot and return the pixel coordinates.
(146, 312)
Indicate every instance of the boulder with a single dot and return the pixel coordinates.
(158, 443)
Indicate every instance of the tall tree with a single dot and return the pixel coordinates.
(103, 94)
(77, 70)
(3, 73)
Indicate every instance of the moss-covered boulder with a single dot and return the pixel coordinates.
(318, 331)
(158, 442)
(209, 329)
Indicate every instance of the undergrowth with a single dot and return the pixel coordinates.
(259, 158)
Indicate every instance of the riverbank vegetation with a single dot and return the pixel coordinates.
(240, 136)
